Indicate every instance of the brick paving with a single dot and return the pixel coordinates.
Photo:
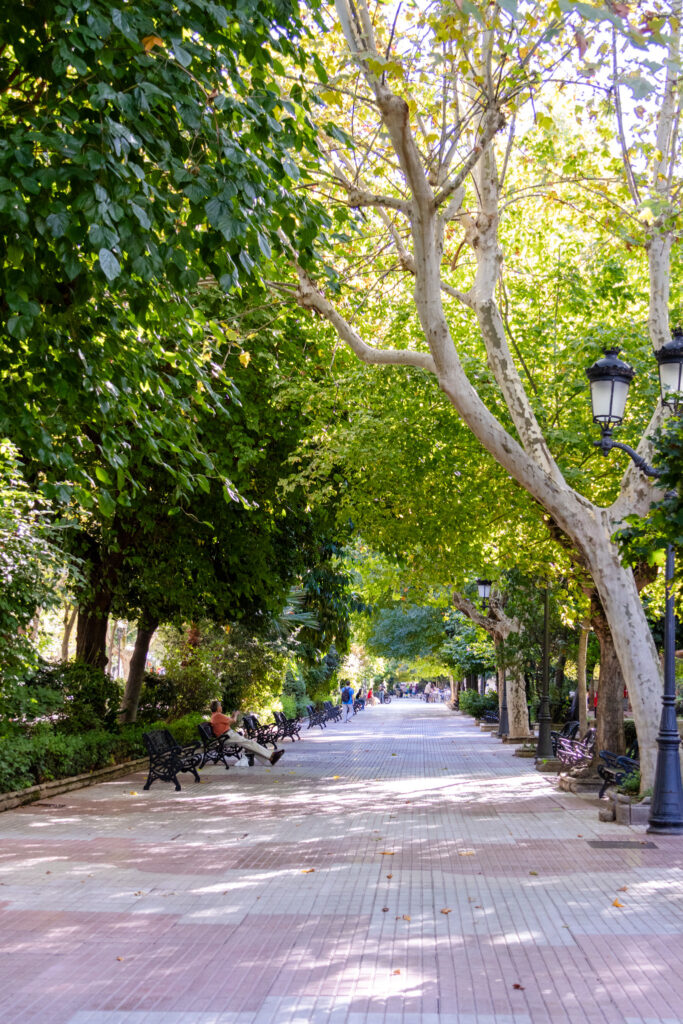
(315, 893)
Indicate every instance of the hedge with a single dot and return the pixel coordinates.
(45, 755)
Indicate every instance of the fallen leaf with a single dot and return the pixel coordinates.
(386, 853)
(384, 909)
(478, 906)
(119, 958)
(394, 755)
(307, 871)
(466, 853)
(445, 910)
(624, 888)
(149, 42)
(133, 792)
(517, 985)
(390, 876)
(397, 971)
(336, 776)
(617, 903)
(533, 872)
(406, 917)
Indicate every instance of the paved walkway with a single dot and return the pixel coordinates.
(402, 869)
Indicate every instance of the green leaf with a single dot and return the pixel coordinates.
(109, 263)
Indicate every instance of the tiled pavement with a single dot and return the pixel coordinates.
(402, 869)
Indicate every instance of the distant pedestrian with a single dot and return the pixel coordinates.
(347, 701)
(382, 692)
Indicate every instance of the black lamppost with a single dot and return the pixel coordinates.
(610, 378)
(484, 589)
(544, 746)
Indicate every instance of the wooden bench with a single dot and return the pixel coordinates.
(167, 759)
(219, 748)
(616, 767)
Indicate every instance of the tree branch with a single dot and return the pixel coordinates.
(310, 297)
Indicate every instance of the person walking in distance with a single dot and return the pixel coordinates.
(347, 700)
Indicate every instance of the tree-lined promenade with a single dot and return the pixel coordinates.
(297, 304)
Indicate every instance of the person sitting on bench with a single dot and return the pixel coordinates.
(221, 724)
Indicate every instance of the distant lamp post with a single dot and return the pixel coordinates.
(544, 746)
(609, 380)
(484, 588)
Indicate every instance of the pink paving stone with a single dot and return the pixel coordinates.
(119, 901)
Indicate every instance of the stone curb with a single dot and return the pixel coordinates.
(47, 789)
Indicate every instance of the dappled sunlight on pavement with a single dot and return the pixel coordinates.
(405, 868)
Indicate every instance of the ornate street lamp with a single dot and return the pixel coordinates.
(670, 359)
(609, 380)
(484, 588)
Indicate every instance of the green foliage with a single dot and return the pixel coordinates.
(407, 632)
(142, 145)
(467, 649)
(645, 537)
(90, 699)
(472, 703)
(30, 566)
(631, 784)
(294, 693)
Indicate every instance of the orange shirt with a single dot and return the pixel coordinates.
(220, 723)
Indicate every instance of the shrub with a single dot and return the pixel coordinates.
(294, 689)
(472, 703)
(631, 784)
(47, 754)
(157, 698)
(289, 706)
(89, 698)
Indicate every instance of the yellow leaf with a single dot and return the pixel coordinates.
(119, 958)
(617, 903)
(336, 776)
(307, 871)
(533, 872)
(466, 853)
(406, 917)
(245, 358)
(149, 42)
(387, 853)
(446, 910)
(133, 792)
(646, 215)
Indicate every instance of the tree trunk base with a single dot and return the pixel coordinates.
(581, 785)
(548, 764)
